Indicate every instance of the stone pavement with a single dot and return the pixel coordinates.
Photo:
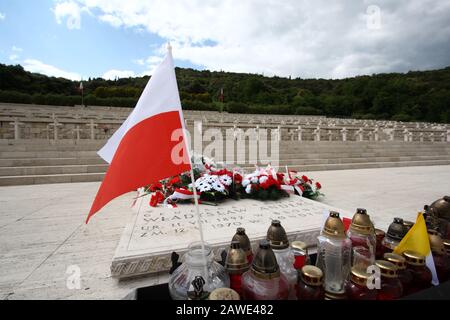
(42, 230)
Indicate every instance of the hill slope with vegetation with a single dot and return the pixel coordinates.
(413, 96)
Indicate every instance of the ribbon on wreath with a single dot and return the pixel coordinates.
(179, 194)
(294, 187)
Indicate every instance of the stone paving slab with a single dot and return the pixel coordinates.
(42, 230)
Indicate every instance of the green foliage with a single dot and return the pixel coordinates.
(237, 107)
(414, 96)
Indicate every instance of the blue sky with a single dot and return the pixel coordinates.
(298, 38)
(29, 31)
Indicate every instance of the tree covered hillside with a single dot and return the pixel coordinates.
(414, 96)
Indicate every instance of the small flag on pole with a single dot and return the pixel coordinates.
(149, 146)
(81, 86)
(417, 240)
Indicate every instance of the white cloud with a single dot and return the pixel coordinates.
(140, 62)
(112, 20)
(118, 74)
(70, 11)
(292, 37)
(49, 70)
(2, 16)
(14, 57)
(15, 53)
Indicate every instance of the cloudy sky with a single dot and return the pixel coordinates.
(298, 38)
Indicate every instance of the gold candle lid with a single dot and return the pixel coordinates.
(396, 229)
(359, 276)
(361, 222)
(265, 265)
(312, 275)
(388, 269)
(236, 262)
(277, 236)
(334, 227)
(441, 208)
(242, 237)
(414, 258)
(436, 243)
(299, 245)
(408, 224)
(396, 259)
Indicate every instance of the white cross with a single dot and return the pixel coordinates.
(77, 131)
(16, 125)
(55, 124)
(92, 126)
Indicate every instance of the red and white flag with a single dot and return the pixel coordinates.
(149, 146)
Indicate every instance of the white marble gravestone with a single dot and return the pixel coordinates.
(154, 233)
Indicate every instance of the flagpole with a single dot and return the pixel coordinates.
(194, 189)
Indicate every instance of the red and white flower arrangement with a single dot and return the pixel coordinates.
(213, 185)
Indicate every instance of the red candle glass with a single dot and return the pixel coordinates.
(264, 281)
(419, 272)
(310, 284)
(357, 288)
(391, 287)
(404, 276)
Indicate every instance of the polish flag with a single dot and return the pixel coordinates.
(150, 145)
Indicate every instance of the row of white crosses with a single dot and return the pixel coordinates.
(373, 135)
(55, 125)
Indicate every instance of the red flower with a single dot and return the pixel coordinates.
(237, 178)
(305, 179)
(156, 198)
(155, 187)
(174, 180)
(280, 176)
(265, 185)
(222, 172)
(318, 185)
(301, 188)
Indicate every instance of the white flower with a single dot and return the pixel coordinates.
(204, 188)
(248, 189)
(225, 180)
(200, 181)
(254, 179)
(218, 186)
(245, 182)
(263, 179)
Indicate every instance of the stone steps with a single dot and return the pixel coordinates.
(358, 160)
(47, 154)
(46, 179)
(310, 154)
(30, 162)
(365, 165)
(52, 170)
(62, 163)
(101, 168)
(67, 146)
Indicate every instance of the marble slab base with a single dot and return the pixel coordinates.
(153, 234)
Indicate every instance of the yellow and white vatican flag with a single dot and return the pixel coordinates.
(417, 240)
